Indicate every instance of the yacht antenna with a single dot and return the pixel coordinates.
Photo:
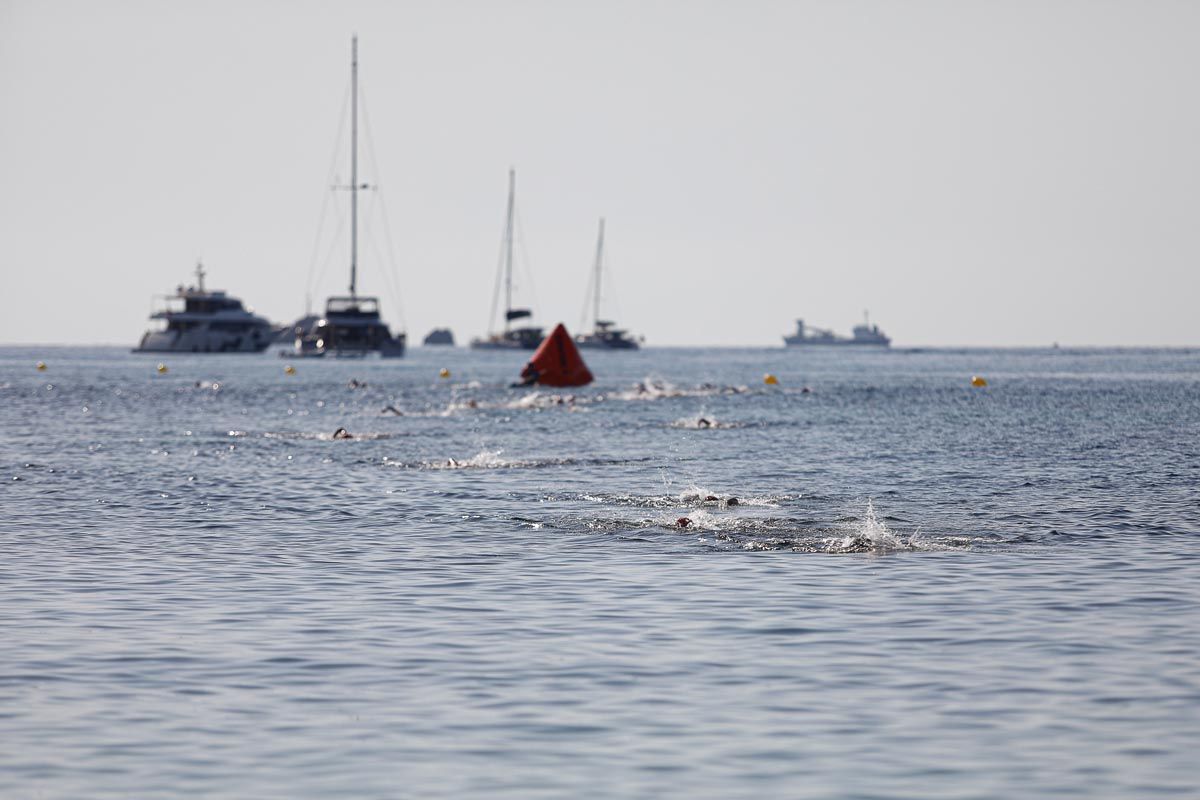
(599, 269)
(353, 163)
(508, 246)
(200, 275)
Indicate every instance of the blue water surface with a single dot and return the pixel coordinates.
(924, 590)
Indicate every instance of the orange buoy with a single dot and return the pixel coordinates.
(977, 380)
(557, 362)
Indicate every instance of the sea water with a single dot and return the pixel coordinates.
(925, 589)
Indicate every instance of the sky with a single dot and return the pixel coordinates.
(972, 173)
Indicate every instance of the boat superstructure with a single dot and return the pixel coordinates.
(202, 321)
(605, 335)
(512, 337)
(866, 334)
(351, 325)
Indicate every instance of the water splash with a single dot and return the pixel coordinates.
(702, 422)
(484, 459)
(872, 535)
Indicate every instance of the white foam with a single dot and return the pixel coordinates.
(484, 459)
(872, 535)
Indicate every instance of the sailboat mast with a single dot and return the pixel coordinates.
(353, 164)
(599, 269)
(508, 245)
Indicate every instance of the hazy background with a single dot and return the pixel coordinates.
(973, 173)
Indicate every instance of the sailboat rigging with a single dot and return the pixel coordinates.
(604, 334)
(351, 325)
(525, 337)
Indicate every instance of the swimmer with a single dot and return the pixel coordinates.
(355, 383)
(703, 423)
(342, 433)
(392, 410)
(733, 501)
(712, 498)
(529, 376)
(683, 522)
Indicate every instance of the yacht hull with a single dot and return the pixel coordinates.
(791, 341)
(591, 343)
(517, 339)
(254, 341)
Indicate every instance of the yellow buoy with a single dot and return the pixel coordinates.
(978, 381)
(162, 369)
(41, 366)
(444, 373)
(289, 370)
(770, 380)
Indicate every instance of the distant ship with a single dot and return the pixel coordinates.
(526, 337)
(863, 335)
(207, 322)
(440, 336)
(604, 335)
(351, 325)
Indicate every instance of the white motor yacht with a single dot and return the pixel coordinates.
(202, 321)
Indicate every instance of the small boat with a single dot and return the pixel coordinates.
(351, 325)
(206, 322)
(524, 337)
(604, 334)
(863, 335)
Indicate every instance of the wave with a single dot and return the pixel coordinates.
(647, 389)
(656, 389)
(721, 526)
(693, 496)
(702, 422)
(494, 459)
(368, 436)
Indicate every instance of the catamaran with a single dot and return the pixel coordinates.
(351, 325)
(524, 337)
(604, 335)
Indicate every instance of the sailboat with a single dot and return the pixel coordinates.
(604, 335)
(351, 325)
(524, 337)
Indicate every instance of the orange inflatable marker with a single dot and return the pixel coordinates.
(557, 362)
